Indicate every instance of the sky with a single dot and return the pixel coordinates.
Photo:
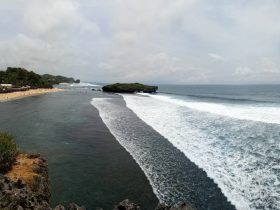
(152, 41)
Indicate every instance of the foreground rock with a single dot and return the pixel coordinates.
(180, 206)
(26, 186)
(129, 88)
(128, 205)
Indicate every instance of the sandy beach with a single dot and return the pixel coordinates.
(22, 94)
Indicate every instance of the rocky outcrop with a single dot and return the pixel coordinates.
(18, 196)
(180, 206)
(26, 186)
(71, 206)
(129, 88)
(128, 205)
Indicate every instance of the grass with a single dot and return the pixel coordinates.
(8, 152)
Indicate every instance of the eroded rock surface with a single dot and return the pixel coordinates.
(26, 186)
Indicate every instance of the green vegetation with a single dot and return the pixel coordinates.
(129, 88)
(20, 77)
(8, 151)
(59, 79)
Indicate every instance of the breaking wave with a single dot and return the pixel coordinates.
(237, 145)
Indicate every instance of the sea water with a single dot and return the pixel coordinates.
(232, 133)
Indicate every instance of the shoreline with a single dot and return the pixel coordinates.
(22, 94)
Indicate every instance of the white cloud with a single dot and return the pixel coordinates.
(186, 41)
(269, 66)
(215, 57)
(243, 71)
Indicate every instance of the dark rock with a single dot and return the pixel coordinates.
(129, 88)
(73, 206)
(127, 205)
(180, 206)
(59, 207)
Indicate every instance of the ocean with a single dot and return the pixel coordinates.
(214, 147)
(232, 133)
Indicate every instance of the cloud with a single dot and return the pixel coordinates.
(269, 66)
(242, 71)
(183, 41)
(52, 38)
(215, 57)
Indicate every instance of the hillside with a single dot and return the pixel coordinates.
(20, 77)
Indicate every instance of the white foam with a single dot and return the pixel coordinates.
(260, 112)
(108, 115)
(84, 84)
(240, 156)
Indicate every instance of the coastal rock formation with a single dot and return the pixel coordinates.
(26, 186)
(71, 206)
(180, 206)
(129, 88)
(128, 205)
(18, 196)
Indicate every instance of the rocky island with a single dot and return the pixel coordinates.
(129, 88)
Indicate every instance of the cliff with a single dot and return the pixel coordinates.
(26, 185)
(129, 88)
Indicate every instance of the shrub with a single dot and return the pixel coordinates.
(8, 152)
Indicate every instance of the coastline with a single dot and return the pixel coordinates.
(22, 94)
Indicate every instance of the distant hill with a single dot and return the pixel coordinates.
(129, 88)
(59, 79)
(20, 77)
